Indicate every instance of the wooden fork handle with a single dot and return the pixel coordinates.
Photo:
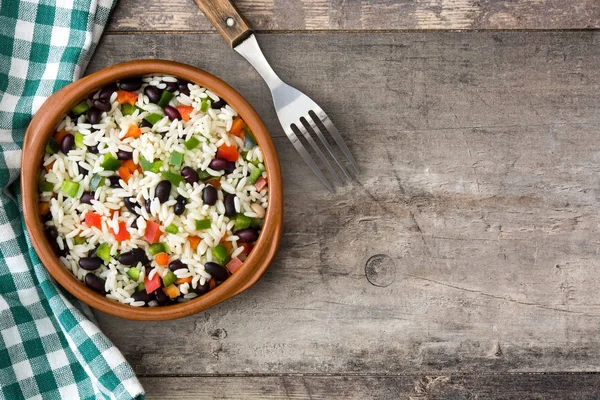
(227, 19)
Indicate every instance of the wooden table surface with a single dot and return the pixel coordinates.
(463, 263)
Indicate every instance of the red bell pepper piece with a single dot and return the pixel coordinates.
(152, 284)
(93, 219)
(229, 153)
(123, 233)
(153, 232)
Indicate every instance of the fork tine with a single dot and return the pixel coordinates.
(316, 148)
(306, 157)
(315, 128)
(336, 136)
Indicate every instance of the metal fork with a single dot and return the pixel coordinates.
(297, 113)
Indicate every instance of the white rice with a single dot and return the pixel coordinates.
(155, 144)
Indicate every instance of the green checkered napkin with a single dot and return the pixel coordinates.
(49, 348)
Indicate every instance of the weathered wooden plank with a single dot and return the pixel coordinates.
(178, 15)
(411, 387)
(479, 157)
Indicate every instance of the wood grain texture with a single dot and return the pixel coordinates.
(276, 15)
(480, 180)
(410, 387)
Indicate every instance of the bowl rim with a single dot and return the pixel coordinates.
(44, 124)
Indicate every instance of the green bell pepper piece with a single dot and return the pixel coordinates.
(176, 159)
(46, 186)
(220, 253)
(169, 279)
(202, 224)
(242, 222)
(192, 143)
(257, 173)
(156, 248)
(175, 179)
(172, 228)
(151, 166)
(203, 175)
(165, 98)
(79, 139)
(110, 163)
(140, 287)
(70, 188)
(103, 251)
(127, 109)
(80, 108)
(79, 240)
(153, 118)
(257, 222)
(205, 104)
(133, 273)
(52, 146)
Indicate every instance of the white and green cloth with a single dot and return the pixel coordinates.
(49, 347)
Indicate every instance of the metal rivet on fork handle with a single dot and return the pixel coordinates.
(230, 21)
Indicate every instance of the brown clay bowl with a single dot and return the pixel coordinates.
(44, 125)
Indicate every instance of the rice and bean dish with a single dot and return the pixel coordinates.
(153, 191)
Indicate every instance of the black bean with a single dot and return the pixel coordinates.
(218, 104)
(102, 105)
(201, 289)
(153, 93)
(142, 295)
(106, 92)
(51, 233)
(95, 283)
(184, 89)
(90, 263)
(189, 174)
(47, 217)
(92, 253)
(147, 204)
(82, 170)
(216, 271)
(94, 115)
(176, 264)
(134, 224)
(67, 143)
(172, 86)
(131, 204)
(180, 205)
(230, 205)
(59, 252)
(248, 235)
(163, 191)
(131, 84)
(209, 195)
(114, 181)
(132, 257)
(172, 113)
(87, 197)
(218, 164)
(124, 155)
(145, 124)
(230, 167)
(93, 149)
(161, 298)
